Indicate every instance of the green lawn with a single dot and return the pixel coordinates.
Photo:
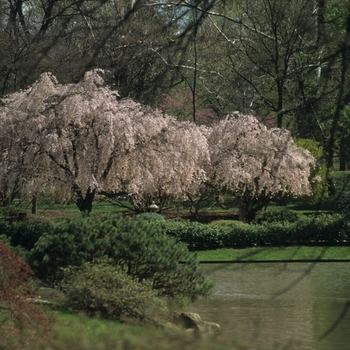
(77, 331)
(280, 253)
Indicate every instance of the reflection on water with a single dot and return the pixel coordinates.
(280, 306)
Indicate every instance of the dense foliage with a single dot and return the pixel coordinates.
(24, 234)
(281, 215)
(21, 321)
(257, 164)
(104, 289)
(294, 229)
(139, 247)
(80, 140)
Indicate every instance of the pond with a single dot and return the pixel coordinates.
(280, 305)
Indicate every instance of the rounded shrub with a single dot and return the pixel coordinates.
(105, 289)
(196, 235)
(344, 233)
(142, 249)
(151, 216)
(24, 234)
(279, 215)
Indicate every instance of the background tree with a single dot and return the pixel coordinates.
(69, 38)
(80, 139)
(257, 164)
(168, 160)
(343, 139)
(286, 58)
(78, 130)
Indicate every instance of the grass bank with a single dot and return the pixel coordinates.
(275, 253)
(78, 331)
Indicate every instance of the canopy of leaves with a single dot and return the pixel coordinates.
(139, 247)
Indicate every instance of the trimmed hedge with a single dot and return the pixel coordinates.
(281, 215)
(323, 229)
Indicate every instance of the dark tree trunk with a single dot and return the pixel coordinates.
(249, 208)
(342, 158)
(330, 185)
(34, 205)
(84, 203)
(8, 200)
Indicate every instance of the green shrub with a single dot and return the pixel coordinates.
(228, 223)
(314, 230)
(144, 251)
(326, 228)
(5, 228)
(342, 184)
(151, 216)
(323, 229)
(9, 211)
(24, 233)
(280, 215)
(106, 290)
(141, 248)
(6, 240)
(71, 243)
(197, 236)
(345, 230)
(319, 188)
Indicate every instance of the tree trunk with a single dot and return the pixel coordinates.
(34, 205)
(249, 208)
(330, 185)
(342, 157)
(242, 214)
(84, 203)
(246, 210)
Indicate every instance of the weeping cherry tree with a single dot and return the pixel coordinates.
(83, 140)
(257, 164)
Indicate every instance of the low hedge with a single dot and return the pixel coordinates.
(323, 229)
(280, 215)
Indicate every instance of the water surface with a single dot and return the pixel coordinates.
(280, 306)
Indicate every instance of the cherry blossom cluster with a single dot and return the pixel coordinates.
(83, 140)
